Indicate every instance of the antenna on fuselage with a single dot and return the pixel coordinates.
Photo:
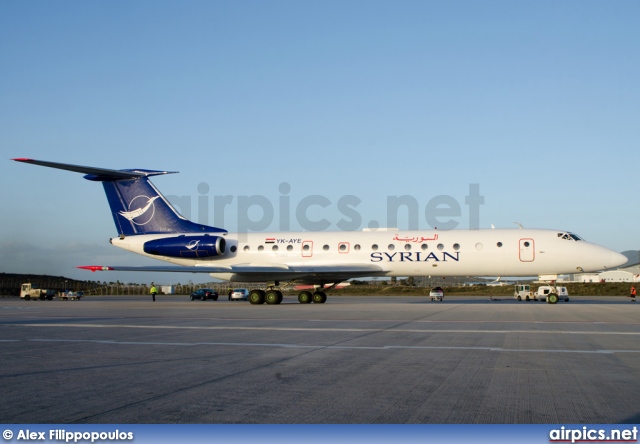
(519, 224)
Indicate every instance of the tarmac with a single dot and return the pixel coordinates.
(353, 360)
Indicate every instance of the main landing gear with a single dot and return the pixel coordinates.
(271, 297)
(318, 297)
(274, 297)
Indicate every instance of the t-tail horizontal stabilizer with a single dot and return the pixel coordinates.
(136, 204)
(97, 174)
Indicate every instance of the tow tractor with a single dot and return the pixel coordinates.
(524, 292)
(31, 291)
(549, 293)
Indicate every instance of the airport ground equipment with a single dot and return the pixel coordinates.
(30, 291)
(524, 292)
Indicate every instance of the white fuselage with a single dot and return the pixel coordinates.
(492, 252)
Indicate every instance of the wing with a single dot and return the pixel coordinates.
(308, 274)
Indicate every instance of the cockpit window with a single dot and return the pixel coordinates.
(569, 236)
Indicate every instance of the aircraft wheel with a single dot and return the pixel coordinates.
(256, 297)
(552, 299)
(304, 297)
(280, 297)
(272, 297)
(319, 297)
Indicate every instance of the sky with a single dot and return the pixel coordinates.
(532, 104)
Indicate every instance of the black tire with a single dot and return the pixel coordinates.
(191, 297)
(519, 298)
(271, 297)
(527, 298)
(552, 299)
(319, 297)
(204, 297)
(280, 297)
(256, 297)
(304, 297)
(215, 297)
(27, 298)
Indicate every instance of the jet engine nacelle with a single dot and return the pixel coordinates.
(197, 247)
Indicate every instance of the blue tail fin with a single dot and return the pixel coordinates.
(139, 208)
(136, 205)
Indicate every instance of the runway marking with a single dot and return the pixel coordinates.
(331, 347)
(380, 330)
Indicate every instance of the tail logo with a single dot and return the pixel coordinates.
(140, 214)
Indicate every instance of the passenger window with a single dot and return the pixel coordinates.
(407, 247)
(261, 247)
(424, 246)
(440, 247)
(325, 247)
(289, 247)
(356, 247)
(391, 247)
(274, 248)
(456, 247)
(233, 248)
(499, 244)
(246, 248)
(305, 247)
(374, 247)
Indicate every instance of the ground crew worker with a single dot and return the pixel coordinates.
(154, 292)
(633, 294)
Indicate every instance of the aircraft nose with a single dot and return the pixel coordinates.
(616, 259)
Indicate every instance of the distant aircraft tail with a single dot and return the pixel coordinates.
(136, 204)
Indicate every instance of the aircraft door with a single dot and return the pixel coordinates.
(527, 251)
(307, 248)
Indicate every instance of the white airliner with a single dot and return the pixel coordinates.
(147, 224)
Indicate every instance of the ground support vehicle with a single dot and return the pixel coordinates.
(70, 295)
(524, 292)
(436, 294)
(552, 294)
(31, 291)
